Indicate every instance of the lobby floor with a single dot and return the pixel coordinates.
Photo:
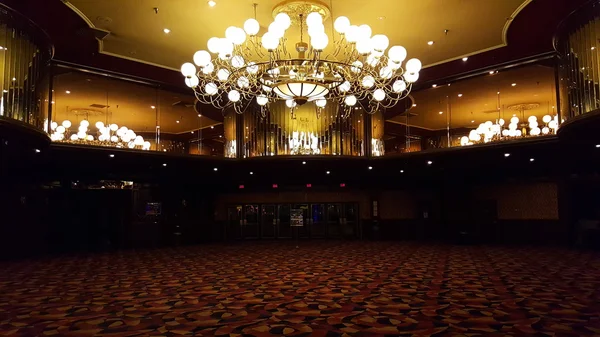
(319, 289)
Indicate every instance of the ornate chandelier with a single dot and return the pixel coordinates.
(357, 70)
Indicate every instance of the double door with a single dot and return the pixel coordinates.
(280, 221)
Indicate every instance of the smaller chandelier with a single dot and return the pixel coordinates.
(358, 69)
(106, 135)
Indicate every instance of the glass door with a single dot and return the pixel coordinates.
(334, 212)
(350, 221)
(301, 227)
(268, 221)
(284, 221)
(318, 222)
(233, 230)
(250, 224)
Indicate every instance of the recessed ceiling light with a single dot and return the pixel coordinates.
(52, 102)
(215, 169)
(473, 121)
(251, 173)
(441, 112)
(165, 164)
(414, 105)
(593, 48)
(430, 43)
(381, 18)
(67, 92)
(37, 151)
(177, 122)
(211, 3)
(370, 167)
(531, 159)
(111, 155)
(429, 162)
(507, 154)
(166, 30)
(433, 86)
(199, 115)
(192, 132)
(514, 84)
(14, 78)
(459, 95)
(328, 172)
(465, 59)
(401, 171)
(5, 91)
(212, 127)
(152, 107)
(498, 93)
(492, 72)
(220, 136)
(303, 163)
(598, 145)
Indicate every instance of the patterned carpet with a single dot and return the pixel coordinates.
(320, 289)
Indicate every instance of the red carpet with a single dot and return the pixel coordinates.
(320, 289)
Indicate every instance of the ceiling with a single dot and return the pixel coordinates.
(136, 31)
(129, 104)
(480, 100)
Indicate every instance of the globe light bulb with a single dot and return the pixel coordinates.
(251, 26)
(535, 131)
(237, 61)
(350, 100)
(114, 127)
(226, 47)
(234, 95)
(413, 65)
(373, 60)
(344, 87)
(380, 42)
(399, 86)
(356, 66)
(66, 123)
(341, 24)
(188, 69)
(114, 139)
(208, 69)
(314, 18)
(397, 54)
(230, 32)
(364, 46)
(321, 102)
(514, 120)
(243, 82)
(364, 32)
(202, 58)
(192, 81)
(532, 119)
(74, 137)
(276, 30)
(546, 119)
(99, 125)
(53, 125)
(262, 99)
(320, 41)
(290, 103)
(269, 41)
(239, 36)
(368, 81)
(211, 88)
(252, 68)
(545, 130)
(379, 95)
(223, 75)
(411, 77)
(214, 45)
(386, 73)
(81, 135)
(533, 124)
(501, 122)
(316, 30)
(512, 126)
(60, 129)
(352, 34)
(284, 20)
(553, 124)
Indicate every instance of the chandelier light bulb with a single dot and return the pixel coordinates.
(397, 54)
(53, 125)
(514, 120)
(84, 123)
(413, 65)
(545, 130)
(202, 58)
(211, 88)
(234, 96)
(364, 32)
(379, 95)
(321, 102)
(512, 126)
(60, 129)
(352, 34)
(243, 82)
(230, 32)
(114, 127)
(239, 36)
(188, 69)
(276, 30)
(223, 75)
(208, 69)
(368, 81)
(74, 137)
(320, 41)
(553, 124)
(501, 122)
(532, 119)
(284, 20)
(364, 46)
(316, 30)
(81, 135)
(373, 60)
(535, 131)
(90, 137)
(262, 99)
(225, 47)
(380, 42)
(99, 125)
(251, 26)
(290, 103)
(411, 77)
(386, 73)
(356, 66)
(214, 45)
(533, 124)
(269, 41)
(192, 81)
(394, 65)
(546, 119)
(350, 100)
(114, 139)
(341, 24)
(314, 18)
(237, 61)
(66, 123)
(399, 86)
(146, 145)
(344, 87)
